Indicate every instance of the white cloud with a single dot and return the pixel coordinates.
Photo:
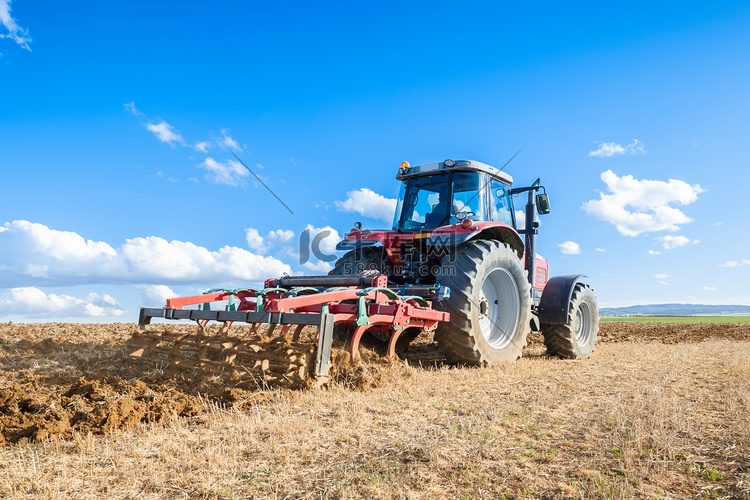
(654, 252)
(202, 146)
(607, 149)
(154, 295)
(130, 106)
(602, 250)
(663, 283)
(570, 248)
(34, 254)
(229, 172)
(162, 175)
(520, 219)
(36, 251)
(274, 239)
(329, 238)
(319, 267)
(180, 262)
(670, 242)
(731, 263)
(30, 301)
(709, 288)
(661, 276)
(746, 261)
(648, 201)
(366, 202)
(254, 240)
(15, 32)
(165, 133)
(281, 235)
(228, 142)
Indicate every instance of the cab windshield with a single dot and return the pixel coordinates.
(433, 201)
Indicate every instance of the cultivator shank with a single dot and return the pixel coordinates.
(275, 343)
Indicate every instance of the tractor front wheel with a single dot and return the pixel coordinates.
(490, 304)
(576, 338)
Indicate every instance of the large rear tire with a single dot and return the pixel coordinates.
(364, 259)
(490, 304)
(576, 338)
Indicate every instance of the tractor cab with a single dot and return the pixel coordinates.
(440, 194)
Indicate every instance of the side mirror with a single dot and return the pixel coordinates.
(542, 204)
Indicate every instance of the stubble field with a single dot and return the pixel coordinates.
(660, 411)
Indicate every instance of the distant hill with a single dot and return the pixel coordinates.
(675, 310)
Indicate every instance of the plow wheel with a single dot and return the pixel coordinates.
(490, 304)
(576, 338)
(364, 259)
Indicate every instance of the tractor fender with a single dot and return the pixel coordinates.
(553, 306)
(352, 244)
(500, 232)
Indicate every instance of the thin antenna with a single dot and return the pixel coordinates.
(511, 158)
(261, 180)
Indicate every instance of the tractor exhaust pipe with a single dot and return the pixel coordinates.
(530, 232)
(531, 228)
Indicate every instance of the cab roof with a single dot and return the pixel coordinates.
(453, 165)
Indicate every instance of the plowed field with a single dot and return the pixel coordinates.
(63, 382)
(59, 378)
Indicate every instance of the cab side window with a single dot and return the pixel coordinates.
(502, 206)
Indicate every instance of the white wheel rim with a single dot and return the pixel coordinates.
(499, 308)
(583, 324)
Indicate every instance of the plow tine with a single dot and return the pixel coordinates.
(201, 326)
(354, 346)
(225, 327)
(392, 342)
(297, 331)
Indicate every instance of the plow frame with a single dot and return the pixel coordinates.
(358, 302)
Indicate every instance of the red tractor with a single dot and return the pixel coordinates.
(455, 227)
(453, 263)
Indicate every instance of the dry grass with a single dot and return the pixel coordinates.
(638, 420)
(675, 319)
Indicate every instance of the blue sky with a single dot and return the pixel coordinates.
(117, 189)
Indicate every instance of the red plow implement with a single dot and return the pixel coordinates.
(273, 342)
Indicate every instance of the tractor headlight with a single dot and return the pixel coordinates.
(449, 163)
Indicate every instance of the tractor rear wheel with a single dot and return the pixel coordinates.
(576, 338)
(364, 259)
(490, 304)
